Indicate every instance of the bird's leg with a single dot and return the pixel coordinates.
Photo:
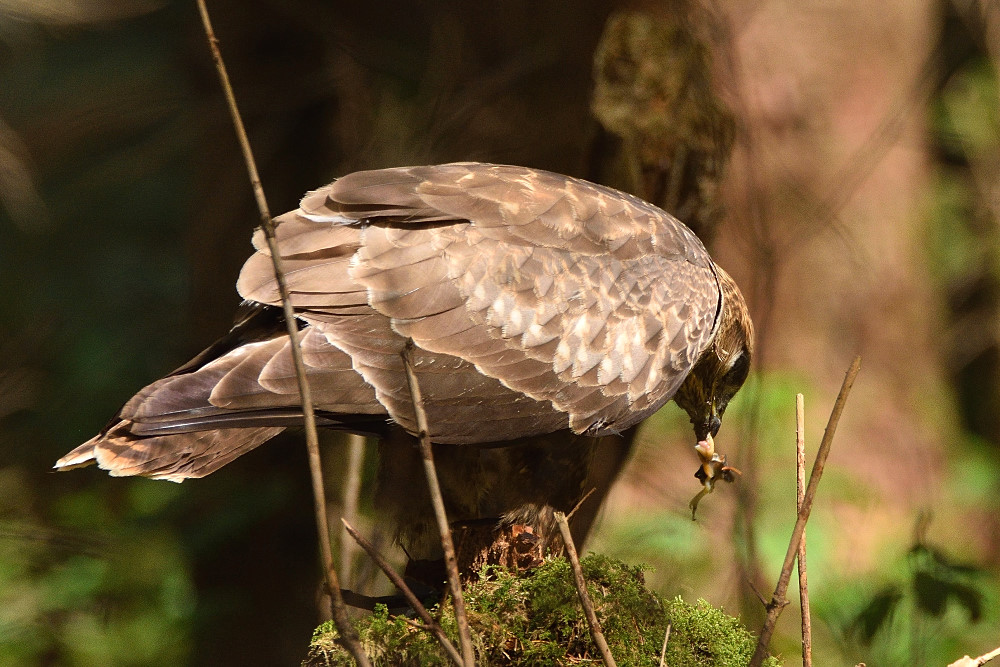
(713, 467)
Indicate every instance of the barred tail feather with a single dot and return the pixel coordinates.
(173, 457)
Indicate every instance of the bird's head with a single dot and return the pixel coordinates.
(717, 375)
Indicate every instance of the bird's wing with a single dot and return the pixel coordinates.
(534, 300)
(232, 397)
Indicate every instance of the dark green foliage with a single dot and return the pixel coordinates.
(538, 620)
(936, 581)
(876, 613)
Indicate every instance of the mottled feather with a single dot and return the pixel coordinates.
(510, 260)
(536, 303)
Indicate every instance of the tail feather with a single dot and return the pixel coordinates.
(173, 457)
(231, 398)
(80, 457)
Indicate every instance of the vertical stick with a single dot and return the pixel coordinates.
(663, 651)
(800, 478)
(581, 588)
(349, 500)
(778, 600)
(330, 579)
(437, 500)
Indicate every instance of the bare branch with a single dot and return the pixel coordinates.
(330, 579)
(778, 600)
(580, 502)
(398, 582)
(800, 488)
(581, 588)
(756, 591)
(437, 500)
(349, 498)
(976, 662)
(663, 651)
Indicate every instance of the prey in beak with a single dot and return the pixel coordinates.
(713, 468)
(706, 392)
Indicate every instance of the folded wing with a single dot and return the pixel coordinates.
(535, 302)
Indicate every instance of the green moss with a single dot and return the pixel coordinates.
(537, 620)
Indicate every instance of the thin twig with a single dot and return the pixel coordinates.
(800, 495)
(580, 502)
(399, 583)
(663, 651)
(422, 627)
(778, 600)
(330, 579)
(349, 499)
(756, 591)
(581, 588)
(976, 662)
(437, 500)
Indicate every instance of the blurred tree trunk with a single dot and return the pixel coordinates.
(325, 90)
(825, 232)
(665, 136)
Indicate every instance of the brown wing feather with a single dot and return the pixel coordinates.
(589, 302)
(536, 301)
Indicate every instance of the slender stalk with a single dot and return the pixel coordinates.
(580, 503)
(663, 651)
(581, 587)
(778, 600)
(437, 500)
(349, 499)
(399, 583)
(800, 488)
(330, 579)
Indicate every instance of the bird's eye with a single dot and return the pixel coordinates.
(738, 371)
(732, 381)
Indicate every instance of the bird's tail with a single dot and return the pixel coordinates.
(174, 457)
(232, 397)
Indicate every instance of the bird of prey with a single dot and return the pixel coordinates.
(543, 313)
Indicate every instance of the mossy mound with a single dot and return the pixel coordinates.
(537, 620)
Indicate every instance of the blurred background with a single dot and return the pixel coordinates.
(857, 208)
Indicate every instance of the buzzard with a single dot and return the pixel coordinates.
(544, 313)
